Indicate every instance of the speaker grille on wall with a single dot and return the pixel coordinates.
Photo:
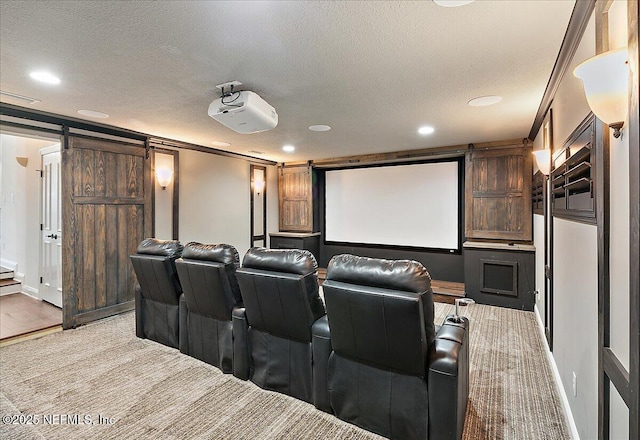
(499, 277)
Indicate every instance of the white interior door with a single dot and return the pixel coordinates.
(50, 288)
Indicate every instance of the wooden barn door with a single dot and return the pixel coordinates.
(106, 209)
(295, 186)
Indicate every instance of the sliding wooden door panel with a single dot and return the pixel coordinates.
(295, 186)
(497, 193)
(107, 212)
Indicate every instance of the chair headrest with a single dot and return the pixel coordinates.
(219, 253)
(166, 248)
(406, 275)
(297, 261)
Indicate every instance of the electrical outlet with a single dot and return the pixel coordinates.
(575, 385)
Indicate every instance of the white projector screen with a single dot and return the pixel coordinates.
(403, 205)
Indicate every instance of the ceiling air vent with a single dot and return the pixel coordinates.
(19, 98)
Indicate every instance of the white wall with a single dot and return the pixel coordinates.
(20, 213)
(619, 245)
(619, 423)
(575, 323)
(215, 199)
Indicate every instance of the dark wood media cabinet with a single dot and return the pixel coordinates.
(500, 274)
(296, 240)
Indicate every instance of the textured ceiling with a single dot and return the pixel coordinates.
(373, 70)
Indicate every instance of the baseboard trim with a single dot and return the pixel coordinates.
(94, 315)
(19, 276)
(556, 375)
(31, 291)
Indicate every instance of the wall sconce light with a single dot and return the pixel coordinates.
(23, 161)
(604, 78)
(163, 176)
(258, 186)
(543, 160)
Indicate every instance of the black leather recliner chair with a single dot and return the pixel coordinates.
(211, 292)
(158, 291)
(380, 362)
(281, 300)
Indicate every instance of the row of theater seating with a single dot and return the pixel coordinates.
(374, 358)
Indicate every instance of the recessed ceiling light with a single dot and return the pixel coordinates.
(45, 77)
(221, 144)
(452, 3)
(319, 128)
(485, 100)
(426, 130)
(256, 152)
(93, 114)
(288, 148)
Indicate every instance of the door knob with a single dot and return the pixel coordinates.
(54, 236)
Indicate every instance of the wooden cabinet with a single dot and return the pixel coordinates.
(296, 198)
(497, 193)
(572, 188)
(292, 240)
(500, 274)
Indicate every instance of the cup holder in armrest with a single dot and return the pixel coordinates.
(457, 321)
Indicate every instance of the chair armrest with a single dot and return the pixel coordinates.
(448, 380)
(241, 357)
(321, 346)
(139, 312)
(182, 329)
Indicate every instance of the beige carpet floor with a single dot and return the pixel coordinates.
(101, 382)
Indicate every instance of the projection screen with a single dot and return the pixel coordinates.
(412, 205)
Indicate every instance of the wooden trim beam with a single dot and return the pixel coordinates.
(577, 24)
(175, 209)
(409, 155)
(633, 131)
(617, 374)
(405, 155)
(252, 237)
(164, 142)
(602, 207)
(51, 118)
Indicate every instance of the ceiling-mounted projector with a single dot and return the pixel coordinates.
(243, 111)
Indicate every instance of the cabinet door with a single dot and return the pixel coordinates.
(498, 193)
(295, 188)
